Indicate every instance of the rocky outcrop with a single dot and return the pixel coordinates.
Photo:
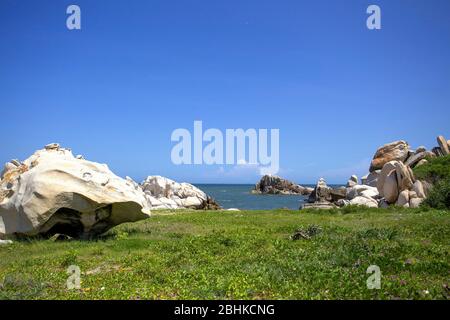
(54, 192)
(276, 185)
(163, 193)
(391, 180)
(321, 197)
(397, 150)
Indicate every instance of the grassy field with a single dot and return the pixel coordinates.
(242, 255)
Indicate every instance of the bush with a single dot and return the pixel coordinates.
(439, 196)
(435, 170)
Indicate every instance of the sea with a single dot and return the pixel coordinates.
(239, 196)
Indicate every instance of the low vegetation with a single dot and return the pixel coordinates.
(437, 172)
(243, 255)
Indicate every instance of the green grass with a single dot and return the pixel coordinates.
(243, 255)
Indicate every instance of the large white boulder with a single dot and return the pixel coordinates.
(164, 193)
(364, 201)
(54, 192)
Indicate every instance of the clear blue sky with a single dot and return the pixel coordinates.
(115, 90)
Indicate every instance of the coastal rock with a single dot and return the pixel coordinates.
(421, 149)
(338, 194)
(387, 169)
(362, 190)
(53, 192)
(353, 181)
(403, 199)
(383, 204)
(276, 185)
(418, 189)
(416, 158)
(397, 150)
(405, 177)
(321, 193)
(390, 188)
(415, 202)
(164, 193)
(342, 203)
(364, 201)
(371, 179)
(443, 145)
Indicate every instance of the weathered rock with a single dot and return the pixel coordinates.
(443, 145)
(415, 202)
(338, 194)
(387, 169)
(390, 188)
(412, 195)
(416, 158)
(421, 163)
(383, 204)
(438, 151)
(371, 179)
(362, 190)
(364, 201)
(405, 177)
(403, 199)
(53, 192)
(418, 189)
(164, 193)
(5, 242)
(397, 150)
(321, 193)
(342, 203)
(353, 181)
(276, 185)
(420, 150)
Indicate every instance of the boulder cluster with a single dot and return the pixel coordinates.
(55, 192)
(276, 185)
(390, 180)
(163, 193)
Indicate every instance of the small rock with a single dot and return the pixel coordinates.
(5, 242)
(415, 202)
(52, 146)
(353, 181)
(421, 149)
(403, 199)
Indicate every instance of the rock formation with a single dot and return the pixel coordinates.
(391, 180)
(54, 192)
(163, 193)
(276, 185)
(397, 150)
(321, 197)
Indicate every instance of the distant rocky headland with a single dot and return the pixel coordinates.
(276, 185)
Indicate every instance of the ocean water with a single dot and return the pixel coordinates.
(239, 196)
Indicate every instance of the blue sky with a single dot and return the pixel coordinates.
(115, 90)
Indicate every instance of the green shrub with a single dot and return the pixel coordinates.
(435, 170)
(439, 196)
